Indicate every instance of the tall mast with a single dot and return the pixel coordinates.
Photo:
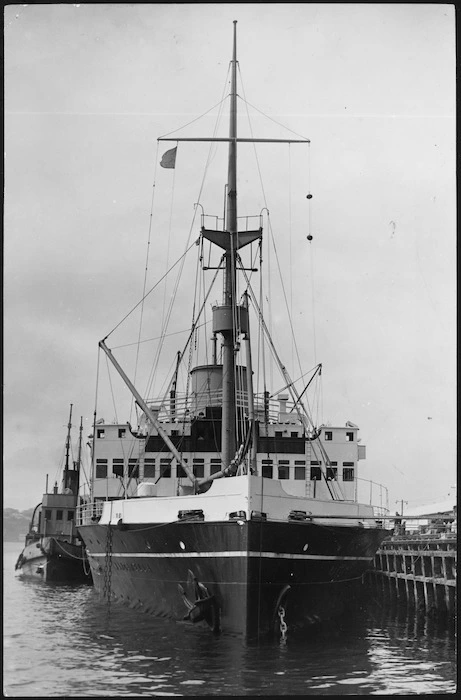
(79, 458)
(228, 436)
(229, 318)
(68, 480)
(69, 426)
(78, 463)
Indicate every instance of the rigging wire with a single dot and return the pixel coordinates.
(121, 486)
(313, 369)
(192, 330)
(287, 306)
(261, 338)
(290, 239)
(149, 292)
(283, 369)
(193, 325)
(165, 286)
(93, 451)
(270, 118)
(184, 126)
(294, 344)
(311, 254)
(176, 287)
(309, 236)
(145, 274)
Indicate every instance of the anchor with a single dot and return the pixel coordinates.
(204, 606)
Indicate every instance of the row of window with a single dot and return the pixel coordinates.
(101, 433)
(329, 436)
(300, 473)
(198, 467)
(59, 514)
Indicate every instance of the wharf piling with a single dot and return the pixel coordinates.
(420, 570)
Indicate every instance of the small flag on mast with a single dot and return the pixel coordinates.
(169, 158)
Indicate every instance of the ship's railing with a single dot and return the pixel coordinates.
(373, 493)
(181, 407)
(244, 223)
(89, 512)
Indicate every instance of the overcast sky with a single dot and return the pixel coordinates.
(88, 90)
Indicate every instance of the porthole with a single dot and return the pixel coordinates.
(182, 545)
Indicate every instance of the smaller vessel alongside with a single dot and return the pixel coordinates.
(53, 550)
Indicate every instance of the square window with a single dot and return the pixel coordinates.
(215, 466)
(121, 432)
(117, 467)
(180, 473)
(101, 468)
(198, 467)
(133, 467)
(348, 474)
(293, 434)
(284, 469)
(70, 515)
(48, 515)
(350, 437)
(328, 435)
(100, 433)
(59, 514)
(316, 474)
(165, 468)
(199, 470)
(149, 468)
(267, 471)
(300, 473)
(332, 473)
(278, 433)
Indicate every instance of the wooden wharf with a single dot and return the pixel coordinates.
(420, 570)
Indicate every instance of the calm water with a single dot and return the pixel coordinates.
(59, 641)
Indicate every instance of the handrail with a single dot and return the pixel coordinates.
(88, 513)
(187, 406)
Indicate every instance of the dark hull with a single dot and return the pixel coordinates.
(52, 560)
(241, 573)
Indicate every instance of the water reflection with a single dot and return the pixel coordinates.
(60, 640)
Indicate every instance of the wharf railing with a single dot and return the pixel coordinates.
(419, 569)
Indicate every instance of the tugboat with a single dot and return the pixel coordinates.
(53, 550)
(226, 506)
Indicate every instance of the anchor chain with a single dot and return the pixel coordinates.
(283, 624)
(108, 568)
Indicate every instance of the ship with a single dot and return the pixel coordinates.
(226, 505)
(53, 550)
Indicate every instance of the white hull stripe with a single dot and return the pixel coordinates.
(227, 554)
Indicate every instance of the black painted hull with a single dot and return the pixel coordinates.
(247, 569)
(54, 561)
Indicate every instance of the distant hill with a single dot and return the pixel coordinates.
(15, 523)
